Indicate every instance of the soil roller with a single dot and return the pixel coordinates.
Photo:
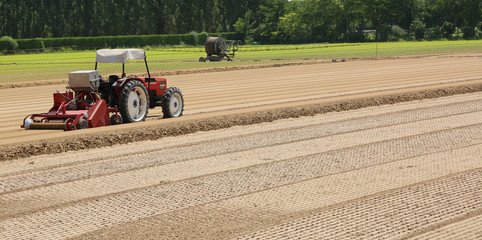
(91, 101)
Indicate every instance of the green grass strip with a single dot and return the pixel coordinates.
(56, 65)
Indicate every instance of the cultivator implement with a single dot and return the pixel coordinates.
(91, 101)
(84, 110)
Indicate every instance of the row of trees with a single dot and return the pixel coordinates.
(267, 21)
(83, 18)
(278, 21)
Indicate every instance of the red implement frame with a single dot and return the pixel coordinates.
(88, 107)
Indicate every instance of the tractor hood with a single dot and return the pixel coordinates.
(119, 55)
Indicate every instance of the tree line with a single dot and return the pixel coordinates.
(282, 21)
(86, 18)
(265, 21)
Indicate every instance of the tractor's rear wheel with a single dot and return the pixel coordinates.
(172, 103)
(133, 103)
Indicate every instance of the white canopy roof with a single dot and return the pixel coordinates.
(119, 55)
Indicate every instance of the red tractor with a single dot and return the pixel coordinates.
(91, 101)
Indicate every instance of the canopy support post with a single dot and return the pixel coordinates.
(149, 75)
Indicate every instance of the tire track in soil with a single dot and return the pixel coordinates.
(72, 191)
(426, 152)
(92, 215)
(467, 229)
(393, 215)
(227, 218)
(230, 217)
(143, 159)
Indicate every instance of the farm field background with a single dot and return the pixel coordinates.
(365, 123)
(403, 163)
(56, 65)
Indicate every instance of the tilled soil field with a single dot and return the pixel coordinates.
(410, 170)
(216, 100)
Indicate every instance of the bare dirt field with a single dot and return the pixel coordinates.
(406, 171)
(216, 94)
(364, 169)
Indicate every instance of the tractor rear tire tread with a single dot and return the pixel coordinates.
(124, 98)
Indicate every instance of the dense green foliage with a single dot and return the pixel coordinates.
(8, 43)
(265, 21)
(283, 21)
(83, 18)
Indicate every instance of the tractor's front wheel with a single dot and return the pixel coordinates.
(133, 102)
(172, 103)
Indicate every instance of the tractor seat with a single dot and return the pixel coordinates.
(113, 78)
